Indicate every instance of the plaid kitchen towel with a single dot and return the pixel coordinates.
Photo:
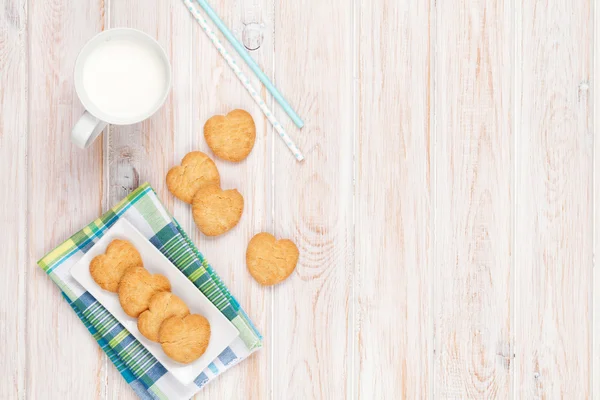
(139, 368)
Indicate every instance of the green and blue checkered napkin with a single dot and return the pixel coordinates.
(148, 378)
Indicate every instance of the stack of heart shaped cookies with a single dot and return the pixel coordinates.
(162, 316)
(197, 182)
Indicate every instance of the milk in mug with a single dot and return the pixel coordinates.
(122, 76)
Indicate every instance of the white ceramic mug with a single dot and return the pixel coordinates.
(122, 77)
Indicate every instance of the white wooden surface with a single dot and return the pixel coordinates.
(473, 227)
(393, 204)
(446, 213)
(554, 213)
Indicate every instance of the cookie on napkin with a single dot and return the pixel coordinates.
(195, 171)
(270, 261)
(137, 288)
(163, 305)
(185, 339)
(107, 269)
(231, 137)
(216, 211)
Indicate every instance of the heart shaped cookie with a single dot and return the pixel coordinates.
(196, 170)
(137, 288)
(185, 339)
(231, 137)
(107, 269)
(163, 305)
(216, 211)
(270, 261)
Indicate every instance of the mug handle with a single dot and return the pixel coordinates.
(86, 130)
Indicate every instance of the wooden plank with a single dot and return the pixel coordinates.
(393, 202)
(554, 209)
(216, 90)
(64, 194)
(140, 153)
(313, 201)
(473, 199)
(143, 152)
(595, 87)
(13, 213)
(203, 85)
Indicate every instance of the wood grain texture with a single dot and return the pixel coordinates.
(595, 88)
(393, 236)
(313, 204)
(13, 217)
(554, 201)
(473, 199)
(446, 213)
(64, 194)
(216, 90)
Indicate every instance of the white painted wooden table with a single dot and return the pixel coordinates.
(446, 212)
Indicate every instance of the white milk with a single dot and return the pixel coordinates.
(124, 77)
